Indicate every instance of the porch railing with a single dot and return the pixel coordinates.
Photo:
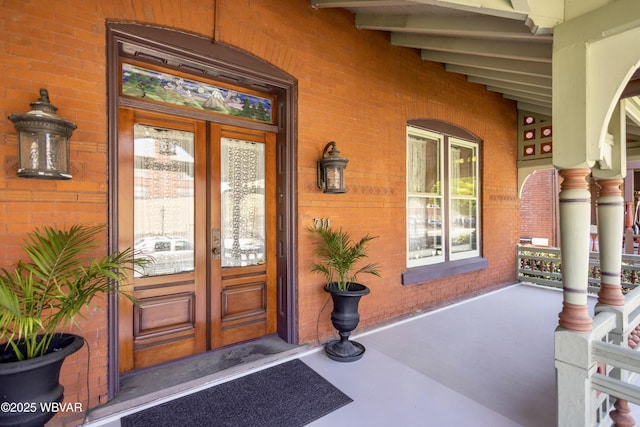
(614, 347)
(543, 265)
(597, 372)
(612, 344)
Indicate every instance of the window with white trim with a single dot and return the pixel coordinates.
(443, 198)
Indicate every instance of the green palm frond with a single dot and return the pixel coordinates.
(45, 294)
(340, 256)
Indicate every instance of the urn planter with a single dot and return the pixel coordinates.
(39, 299)
(28, 387)
(345, 318)
(339, 263)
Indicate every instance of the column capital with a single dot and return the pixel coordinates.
(610, 187)
(574, 179)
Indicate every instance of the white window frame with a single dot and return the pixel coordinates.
(434, 259)
(475, 197)
(446, 142)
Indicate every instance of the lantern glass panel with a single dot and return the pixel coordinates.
(29, 150)
(334, 179)
(44, 154)
(56, 156)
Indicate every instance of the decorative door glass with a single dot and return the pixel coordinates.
(242, 172)
(164, 198)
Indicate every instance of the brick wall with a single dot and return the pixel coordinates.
(353, 88)
(538, 206)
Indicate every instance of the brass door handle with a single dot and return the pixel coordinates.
(215, 243)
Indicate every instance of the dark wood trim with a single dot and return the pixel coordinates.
(167, 109)
(445, 128)
(201, 56)
(113, 79)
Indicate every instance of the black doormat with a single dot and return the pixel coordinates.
(290, 394)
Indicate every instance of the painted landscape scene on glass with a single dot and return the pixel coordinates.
(159, 86)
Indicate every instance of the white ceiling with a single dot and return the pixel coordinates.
(505, 45)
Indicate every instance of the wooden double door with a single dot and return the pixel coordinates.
(198, 199)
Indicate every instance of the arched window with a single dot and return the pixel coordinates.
(443, 201)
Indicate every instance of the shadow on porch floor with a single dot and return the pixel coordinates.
(153, 384)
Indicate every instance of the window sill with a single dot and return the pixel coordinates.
(436, 271)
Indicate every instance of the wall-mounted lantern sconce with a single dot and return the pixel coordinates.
(331, 170)
(43, 141)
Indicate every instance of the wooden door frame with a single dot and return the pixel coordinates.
(189, 52)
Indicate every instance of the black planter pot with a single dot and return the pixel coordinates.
(345, 318)
(26, 384)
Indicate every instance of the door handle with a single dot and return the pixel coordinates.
(215, 243)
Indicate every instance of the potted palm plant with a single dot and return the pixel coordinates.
(39, 299)
(340, 264)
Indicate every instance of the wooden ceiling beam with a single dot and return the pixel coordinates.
(524, 51)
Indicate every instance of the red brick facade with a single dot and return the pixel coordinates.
(354, 88)
(539, 206)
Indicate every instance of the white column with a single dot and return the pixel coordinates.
(610, 226)
(573, 364)
(575, 218)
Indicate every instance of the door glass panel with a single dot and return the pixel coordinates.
(164, 198)
(242, 202)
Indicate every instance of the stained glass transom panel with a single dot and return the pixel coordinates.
(163, 87)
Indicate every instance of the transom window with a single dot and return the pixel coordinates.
(443, 203)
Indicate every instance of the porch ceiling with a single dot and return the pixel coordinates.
(505, 45)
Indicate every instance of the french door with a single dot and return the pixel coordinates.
(198, 199)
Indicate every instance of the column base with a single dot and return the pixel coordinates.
(575, 318)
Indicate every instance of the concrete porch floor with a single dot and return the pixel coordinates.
(487, 361)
